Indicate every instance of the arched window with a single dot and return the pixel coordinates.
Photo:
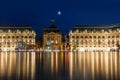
(77, 31)
(8, 36)
(81, 41)
(30, 41)
(4, 37)
(17, 37)
(103, 36)
(117, 36)
(108, 41)
(90, 36)
(13, 36)
(30, 36)
(108, 36)
(113, 36)
(73, 36)
(98, 36)
(9, 30)
(86, 37)
(77, 36)
(25, 36)
(113, 41)
(99, 42)
(73, 41)
(94, 36)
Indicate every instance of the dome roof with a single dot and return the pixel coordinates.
(52, 24)
(52, 28)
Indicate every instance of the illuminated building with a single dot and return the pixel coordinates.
(39, 43)
(85, 37)
(12, 37)
(52, 38)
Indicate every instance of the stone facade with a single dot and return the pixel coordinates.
(55, 37)
(104, 37)
(11, 35)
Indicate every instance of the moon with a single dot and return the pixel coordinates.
(59, 12)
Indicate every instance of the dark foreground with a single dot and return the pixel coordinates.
(59, 66)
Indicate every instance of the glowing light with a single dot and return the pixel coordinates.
(82, 49)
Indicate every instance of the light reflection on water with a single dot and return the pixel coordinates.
(17, 66)
(59, 66)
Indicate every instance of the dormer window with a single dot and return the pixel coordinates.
(9, 30)
(117, 29)
(85, 30)
(110, 30)
(103, 30)
(1, 31)
(77, 31)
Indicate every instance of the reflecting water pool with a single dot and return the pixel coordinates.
(59, 66)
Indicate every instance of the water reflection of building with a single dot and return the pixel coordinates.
(11, 35)
(94, 65)
(52, 36)
(17, 66)
(94, 37)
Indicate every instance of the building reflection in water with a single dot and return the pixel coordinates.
(17, 66)
(81, 65)
(59, 66)
(94, 66)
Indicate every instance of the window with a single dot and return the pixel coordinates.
(73, 36)
(113, 41)
(13, 36)
(17, 37)
(77, 36)
(98, 36)
(85, 31)
(30, 41)
(103, 36)
(90, 36)
(9, 30)
(109, 42)
(86, 41)
(86, 37)
(99, 42)
(8, 36)
(113, 36)
(17, 30)
(82, 41)
(102, 30)
(77, 31)
(94, 36)
(4, 37)
(30, 36)
(117, 36)
(25, 36)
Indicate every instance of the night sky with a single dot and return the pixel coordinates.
(38, 13)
